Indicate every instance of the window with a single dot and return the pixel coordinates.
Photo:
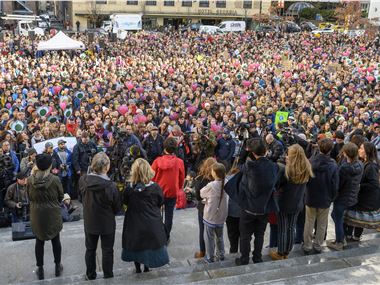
(132, 2)
(187, 3)
(151, 3)
(256, 4)
(204, 3)
(101, 2)
(247, 4)
(168, 3)
(220, 3)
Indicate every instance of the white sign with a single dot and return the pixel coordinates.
(70, 143)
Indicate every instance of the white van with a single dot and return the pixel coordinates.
(232, 26)
(204, 29)
(24, 27)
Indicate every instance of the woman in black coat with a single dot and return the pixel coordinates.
(144, 238)
(369, 193)
(291, 187)
(200, 181)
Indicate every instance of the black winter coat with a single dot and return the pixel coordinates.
(81, 156)
(199, 183)
(275, 150)
(153, 147)
(350, 175)
(257, 185)
(290, 196)
(101, 202)
(322, 189)
(369, 194)
(143, 227)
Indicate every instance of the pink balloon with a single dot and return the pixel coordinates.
(141, 119)
(53, 68)
(324, 55)
(57, 89)
(287, 74)
(191, 109)
(360, 70)
(8, 105)
(171, 70)
(63, 105)
(122, 109)
(194, 86)
(236, 63)
(246, 83)
(362, 49)
(173, 117)
(346, 53)
(215, 128)
(243, 99)
(50, 110)
(370, 69)
(277, 57)
(129, 85)
(140, 90)
(370, 78)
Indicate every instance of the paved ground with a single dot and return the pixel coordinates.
(18, 260)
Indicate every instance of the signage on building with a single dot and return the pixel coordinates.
(217, 12)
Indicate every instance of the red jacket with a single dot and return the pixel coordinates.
(169, 174)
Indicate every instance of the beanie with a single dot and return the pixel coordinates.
(43, 161)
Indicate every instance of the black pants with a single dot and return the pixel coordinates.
(57, 250)
(107, 254)
(353, 231)
(202, 246)
(252, 224)
(286, 232)
(233, 233)
(169, 204)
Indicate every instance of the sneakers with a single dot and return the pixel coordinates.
(40, 273)
(276, 256)
(354, 238)
(338, 246)
(199, 254)
(208, 260)
(58, 269)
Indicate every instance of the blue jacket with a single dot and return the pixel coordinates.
(225, 149)
(15, 161)
(58, 161)
(323, 188)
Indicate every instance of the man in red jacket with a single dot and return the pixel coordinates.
(170, 175)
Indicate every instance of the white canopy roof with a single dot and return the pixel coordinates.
(60, 42)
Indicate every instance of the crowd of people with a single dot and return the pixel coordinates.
(276, 115)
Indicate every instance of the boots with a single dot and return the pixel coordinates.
(40, 273)
(58, 269)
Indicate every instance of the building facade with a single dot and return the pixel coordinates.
(158, 13)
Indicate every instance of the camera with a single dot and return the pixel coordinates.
(6, 162)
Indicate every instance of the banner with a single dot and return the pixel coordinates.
(70, 143)
(281, 117)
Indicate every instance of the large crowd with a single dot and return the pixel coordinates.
(284, 111)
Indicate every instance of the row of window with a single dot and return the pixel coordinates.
(247, 4)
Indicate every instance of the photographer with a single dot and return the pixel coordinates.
(275, 148)
(82, 154)
(62, 158)
(153, 145)
(9, 166)
(28, 162)
(8, 153)
(225, 148)
(16, 199)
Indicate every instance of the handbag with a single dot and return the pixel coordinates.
(22, 231)
(363, 219)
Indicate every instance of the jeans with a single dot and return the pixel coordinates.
(338, 218)
(249, 225)
(202, 246)
(212, 233)
(321, 217)
(286, 232)
(39, 250)
(273, 236)
(66, 184)
(233, 233)
(107, 254)
(169, 210)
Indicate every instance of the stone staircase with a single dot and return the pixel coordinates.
(359, 263)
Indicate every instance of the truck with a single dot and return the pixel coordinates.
(24, 24)
(232, 26)
(122, 23)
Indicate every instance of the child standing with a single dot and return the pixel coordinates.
(215, 212)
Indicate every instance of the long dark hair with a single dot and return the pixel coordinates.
(220, 171)
(371, 152)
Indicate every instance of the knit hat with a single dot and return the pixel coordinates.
(66, 197)
(43, 161)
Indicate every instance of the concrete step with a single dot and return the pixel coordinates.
(187, 272)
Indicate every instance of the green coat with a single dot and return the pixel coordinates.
(45, 213)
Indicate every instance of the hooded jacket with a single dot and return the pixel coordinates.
(169, 174)
(257, 186)
(216, 207)
(101, 201)
(322, 189)
(45, 195)
(350, 175)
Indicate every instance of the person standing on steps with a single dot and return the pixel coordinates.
(170, 176)
(320, 193)
(101, 202)
(291, 187)
(144, 237)
(255, 196)
(45, 194)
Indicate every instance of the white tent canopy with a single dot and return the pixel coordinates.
(60, 42)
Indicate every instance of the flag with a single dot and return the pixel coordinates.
(281, 117)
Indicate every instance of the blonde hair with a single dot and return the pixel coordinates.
(141, 172)
(298, 169)
(100, 162)
(205, 168)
